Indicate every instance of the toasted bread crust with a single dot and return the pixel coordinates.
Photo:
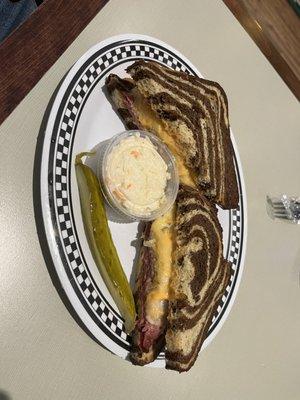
(208, 101)
(200, 277)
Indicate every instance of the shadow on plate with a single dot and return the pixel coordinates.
(39, 221)
(4, 395)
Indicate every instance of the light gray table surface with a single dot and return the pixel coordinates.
(44, 354)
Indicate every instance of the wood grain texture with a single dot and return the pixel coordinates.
(275, 28)
(34, 47)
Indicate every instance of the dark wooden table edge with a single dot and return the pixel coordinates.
(265, 44)
(19, 71)
(47, 33)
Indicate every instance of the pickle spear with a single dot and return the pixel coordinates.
(101, 243)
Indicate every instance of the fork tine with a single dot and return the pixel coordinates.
(279, 209)
(275, 200)
(277, 205)
(284, 208)
(274, 203)
(285, 217)
(276, 209)
(281, 215)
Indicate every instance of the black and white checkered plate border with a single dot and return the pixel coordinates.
(95, 67)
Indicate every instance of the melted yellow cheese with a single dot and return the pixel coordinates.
(162, 231)
(151, 122)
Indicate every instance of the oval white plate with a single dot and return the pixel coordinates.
(80, 118)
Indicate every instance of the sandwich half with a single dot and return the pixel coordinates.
(190, 115)
(200, 275)
(181, 278)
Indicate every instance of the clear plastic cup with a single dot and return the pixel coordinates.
(172, 183)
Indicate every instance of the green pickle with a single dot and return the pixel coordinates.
(101, 243)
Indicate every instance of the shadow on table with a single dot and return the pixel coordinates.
(40, 226)
(4, 395)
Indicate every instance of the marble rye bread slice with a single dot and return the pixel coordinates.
(199, 278)
(203, 107)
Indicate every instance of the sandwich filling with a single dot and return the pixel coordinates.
(162, 233)
(153, 278)
(147, 119)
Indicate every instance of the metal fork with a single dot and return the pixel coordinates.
(284, 208)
